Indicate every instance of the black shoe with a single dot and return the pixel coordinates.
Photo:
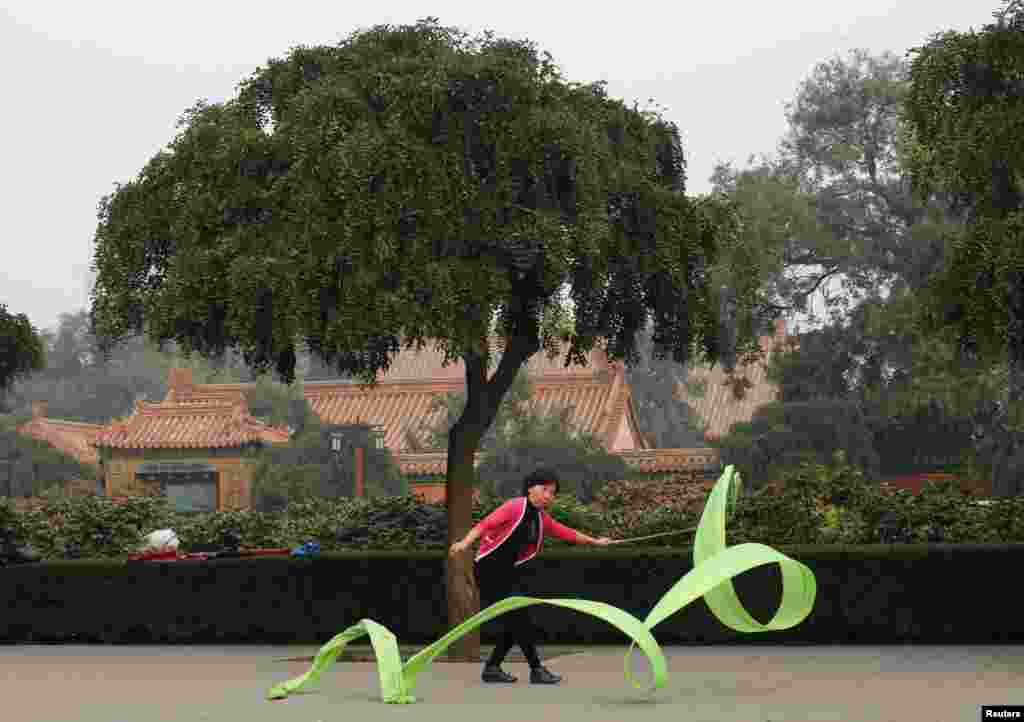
(494, 674)
(541, 675)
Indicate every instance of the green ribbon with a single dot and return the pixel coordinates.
(714, 567)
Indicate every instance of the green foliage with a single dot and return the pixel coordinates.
(818, 364)
(570, 511)
(926, 438)
(664, 419)
(85, 527)
(838, 503)
(965, 86)
(275, 484)
(837, 202)
(281, 405)
(223, 529)
(582, 462)
(80, 384)
(21, 349)
(964, 114)
(307, 468)
(920, 398)
(781, 435)
(383, 145)
(815, 504)
(635, 508)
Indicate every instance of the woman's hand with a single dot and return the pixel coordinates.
(457, 547)
(603, 541)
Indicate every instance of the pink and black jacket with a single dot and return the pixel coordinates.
(499, 525)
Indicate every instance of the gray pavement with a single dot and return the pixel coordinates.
(96, 683)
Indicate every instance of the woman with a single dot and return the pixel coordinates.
(512, 535)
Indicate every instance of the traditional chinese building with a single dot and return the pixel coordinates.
(191, 444)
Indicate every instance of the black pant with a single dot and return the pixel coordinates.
(497, 583)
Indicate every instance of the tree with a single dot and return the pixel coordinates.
(416, 186)
(783, 435)
(666, 421)
(70, 350)
(925, 406)
(21, 348)
(838, 202)
(845, 142)
(964, 112)
(79, 384)
(278, 404)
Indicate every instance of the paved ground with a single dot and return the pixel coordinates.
(53, 683)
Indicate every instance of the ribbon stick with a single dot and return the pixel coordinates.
(652, 536)
(714, 567)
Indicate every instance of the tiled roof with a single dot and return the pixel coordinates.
(432, 463)
(208, 394)
(181, 390)
(657, 460)
(189, 425)
(601, 406)
(73, 438)
(398, 407)
(716, 407)
(645, 460)
(426, 365)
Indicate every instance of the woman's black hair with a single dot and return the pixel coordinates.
(540, 476)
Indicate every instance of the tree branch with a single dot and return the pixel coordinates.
(805, 294)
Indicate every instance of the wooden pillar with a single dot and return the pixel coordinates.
(360, 456)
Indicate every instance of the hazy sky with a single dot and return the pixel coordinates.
(92, 90)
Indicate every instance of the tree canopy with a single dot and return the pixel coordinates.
(837, 202)
(965, 112)
(21, 348)
(450, 180)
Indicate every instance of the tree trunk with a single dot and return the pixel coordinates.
(463, 595)
(483, 397)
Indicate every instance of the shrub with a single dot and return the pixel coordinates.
(813, 503)
(631, 508)
(91, 526)
(818, 503)
(307, 468)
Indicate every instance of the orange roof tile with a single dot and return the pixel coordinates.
(599, 406)
(426, 365)
(644, 460)
(189, 425)
(657, 460)
(73, 438)
(716, 407)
